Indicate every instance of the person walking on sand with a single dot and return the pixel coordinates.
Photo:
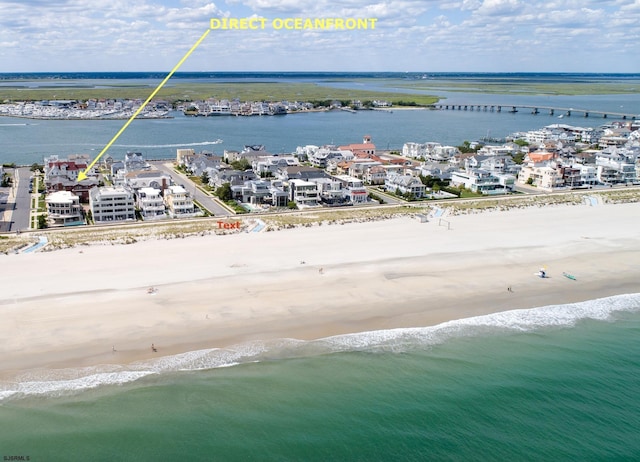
(153, 348)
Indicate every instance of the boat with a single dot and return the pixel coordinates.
(569, 276)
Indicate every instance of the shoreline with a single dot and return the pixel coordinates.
(67, 309)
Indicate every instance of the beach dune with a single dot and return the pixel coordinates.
(72, 309)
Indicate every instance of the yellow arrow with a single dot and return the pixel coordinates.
(83, 175)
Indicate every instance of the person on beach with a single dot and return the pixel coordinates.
(153, 348)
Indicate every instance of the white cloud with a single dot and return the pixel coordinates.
(421, 35)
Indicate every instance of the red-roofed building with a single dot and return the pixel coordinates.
(366, 147)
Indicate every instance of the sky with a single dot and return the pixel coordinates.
(409, 36)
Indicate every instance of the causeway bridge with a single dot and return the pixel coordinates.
(514, 108)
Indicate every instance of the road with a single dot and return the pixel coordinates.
(20, 208)
(203, 199)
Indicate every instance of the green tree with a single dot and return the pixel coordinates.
(42, 221)
(292, 205)
(466, 147)
(518, 158)
(242, 164)
(224, 192)
(204, 178)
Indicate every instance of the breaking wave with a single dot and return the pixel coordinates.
(69, 381)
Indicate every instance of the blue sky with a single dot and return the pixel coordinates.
(410, 35)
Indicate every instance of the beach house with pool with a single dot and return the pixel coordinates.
(64, 209)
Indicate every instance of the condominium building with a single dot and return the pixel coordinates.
(112, 203)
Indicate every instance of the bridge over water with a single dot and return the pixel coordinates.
(551, 110)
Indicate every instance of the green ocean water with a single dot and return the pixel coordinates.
(560, 383)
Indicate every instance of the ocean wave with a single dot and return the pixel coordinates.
(69, 381)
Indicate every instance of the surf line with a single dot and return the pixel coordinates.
(83, 175)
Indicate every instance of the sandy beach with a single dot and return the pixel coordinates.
(73, 307)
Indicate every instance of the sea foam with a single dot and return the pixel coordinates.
(68, 381)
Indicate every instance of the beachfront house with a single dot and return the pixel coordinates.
(405, 185)
(617, 166)
(150, 203)
(480, 181)
(304, 193)
(112, 203)
(261, 192)
(330, 191)
(354, 190)
(64, 209)
(179, 202)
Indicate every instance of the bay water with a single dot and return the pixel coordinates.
(25, 141)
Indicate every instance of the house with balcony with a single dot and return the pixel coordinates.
(479, 181)
(179, 202)
(112, 203)
(267, 166)
(150, 203)
(617, 166)
(375, 175)
(134, 161)
(405, 184)
(61, 174)
(257, 192)
(354, 189)
(64, 209)
(304, 193)
(139, 179)
(330, 191)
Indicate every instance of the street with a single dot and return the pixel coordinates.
(203, 199)
(16, 210)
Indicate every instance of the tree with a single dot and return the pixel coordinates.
(224, 192)
(204, 178)
(292, 205)
(242, 164)
(466, 147)
(42, 221)
(518, 158)
(35, 167)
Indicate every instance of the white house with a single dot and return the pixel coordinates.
(63, 209)
(405, 184)
(303, 193)
(150, 203)
(478, 181)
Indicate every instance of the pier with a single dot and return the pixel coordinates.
(550, 110)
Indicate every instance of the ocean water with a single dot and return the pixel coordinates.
(551, 383)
